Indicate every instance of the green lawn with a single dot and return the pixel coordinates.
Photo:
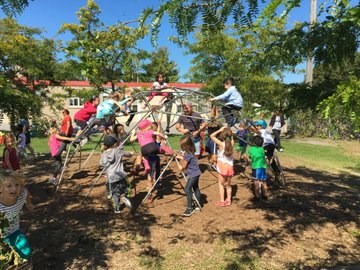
(327, 156)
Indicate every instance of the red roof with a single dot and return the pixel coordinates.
(132, 84)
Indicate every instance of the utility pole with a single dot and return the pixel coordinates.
(309, 61)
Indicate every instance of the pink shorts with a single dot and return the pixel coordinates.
(224, 169)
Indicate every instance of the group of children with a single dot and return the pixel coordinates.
(220, 146)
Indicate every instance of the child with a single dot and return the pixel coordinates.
(119, 133)
(189, 163)
(149, 147)
(154, 160)
(21, 142)
(225, 163)
(116, 180)
(57, 145)
(108, 107)
(233, 100)
(10, 159)
(25, 123)
(211, 146)
(258, 165)
(242, 135)
(13, 196)
(82, 117)
(128, 101)
(269, 143)
(158, 85)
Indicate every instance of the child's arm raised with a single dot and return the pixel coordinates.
(133, 136)
(216, 140)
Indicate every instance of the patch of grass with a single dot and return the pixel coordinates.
(321, 156)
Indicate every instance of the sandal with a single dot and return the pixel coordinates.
(221, 204)
(227, 202)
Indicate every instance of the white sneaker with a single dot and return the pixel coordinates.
(281, 150)
(127, 202)
(83, 141)
(53, 181)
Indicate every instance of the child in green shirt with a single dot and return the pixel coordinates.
(258, 165)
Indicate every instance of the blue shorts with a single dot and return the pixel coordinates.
(259, 174)
(210, 147)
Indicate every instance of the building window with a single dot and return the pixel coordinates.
(76, 102)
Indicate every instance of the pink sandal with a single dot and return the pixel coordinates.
(227, 202)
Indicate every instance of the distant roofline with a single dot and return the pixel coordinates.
(131, 84)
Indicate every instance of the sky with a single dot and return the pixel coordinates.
(49, 15)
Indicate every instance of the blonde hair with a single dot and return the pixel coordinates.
(52, 131)
(129, 90)
(8, 136)
(11, 176)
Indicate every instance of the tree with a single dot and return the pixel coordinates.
(241, 54)
(159, 62)
(105, 54)
(26, 69)
(13, 7)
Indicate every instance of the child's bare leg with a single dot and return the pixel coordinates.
(264, 189)
(221, 187)
(257, 192)
(228, 190)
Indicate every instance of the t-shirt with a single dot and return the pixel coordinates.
(145, 137)
(242, 134)
(277, 123)
(257, 155)
(66, 119)
(192, 169)
(12, 213)
(22, 144)
(224, 159)
(268, 139)
(105, 108)
(190, 123)
(112, 159)
(54, 145)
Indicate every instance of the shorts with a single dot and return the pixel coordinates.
(81, 124)
(20, 243)
(241, 149)
(259, 174)
(211, 147)
(224, 169)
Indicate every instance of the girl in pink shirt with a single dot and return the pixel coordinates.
(57, 146)
(149, 147)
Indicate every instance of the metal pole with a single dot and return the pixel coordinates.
(309, 61)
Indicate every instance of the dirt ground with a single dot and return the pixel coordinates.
(312, 224)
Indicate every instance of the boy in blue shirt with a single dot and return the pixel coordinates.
(233, 101)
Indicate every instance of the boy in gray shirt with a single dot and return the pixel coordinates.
(116, 182)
